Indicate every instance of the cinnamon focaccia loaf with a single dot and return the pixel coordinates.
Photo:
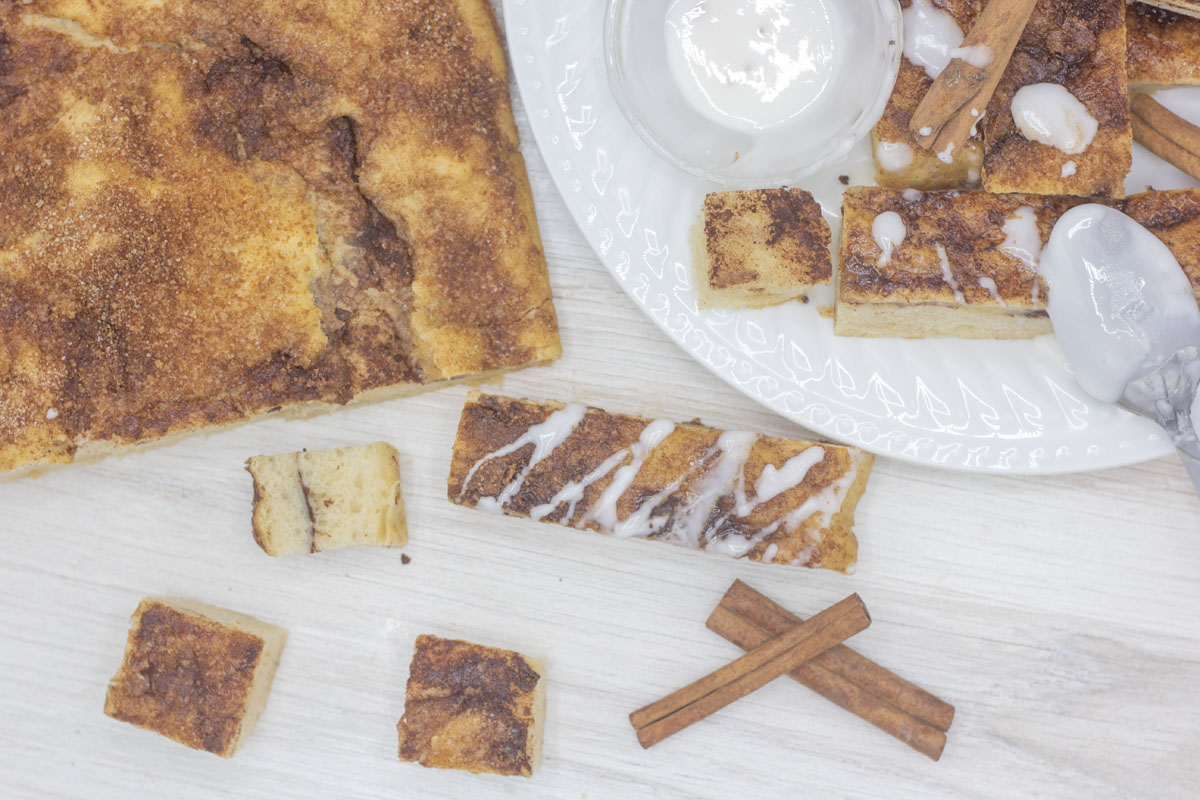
(213, 209)
(734, 493)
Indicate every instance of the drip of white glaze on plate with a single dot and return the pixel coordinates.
(1120, 303)
(1050, 114)
(889, 232)
(545, 436)
(948, 276)
(930, 34)
(893, 156)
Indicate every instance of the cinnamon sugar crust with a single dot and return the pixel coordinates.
(1163, 47)
(195, 674)
(1079, 44)
(215, 210)
(472, 707)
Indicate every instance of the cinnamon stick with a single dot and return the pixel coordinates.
(917, 734)
(758, 667)
(763, 613)
(960, 94)
(1166, 134)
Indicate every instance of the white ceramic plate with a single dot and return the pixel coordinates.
(961, 404)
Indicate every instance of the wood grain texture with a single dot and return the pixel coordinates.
(1060, 615)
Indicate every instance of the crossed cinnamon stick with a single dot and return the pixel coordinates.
(812, 654)
(1166, 134)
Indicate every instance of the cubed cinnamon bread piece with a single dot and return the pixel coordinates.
(761, 247)
(195, 673)
(733, 493)
(1080, 47)
(965, 263)
(318, 500)
(1163, 47)
(472, 707)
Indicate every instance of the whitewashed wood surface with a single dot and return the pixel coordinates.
(1061, 615)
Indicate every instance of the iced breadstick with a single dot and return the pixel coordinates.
(735, 493)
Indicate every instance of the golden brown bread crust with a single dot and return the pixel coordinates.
(470, 707)
(969, 226)
(1079, 44)
(762, 246)
(675, 472)
(927, 170)
(209, 211)
(1163, 47)
(185, 677)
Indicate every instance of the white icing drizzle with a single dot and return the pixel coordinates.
(651, 436)
(546, 436)
(990, 285)
(1050, 114)
(972, 175)
(930, 34)
(889, 232)
(694, 514)
(893, 156)
(769, 553)
(604, 511)
(1021, 238)
(978, 115)
(925, 131)
(52, 413)
(913, 195)
(979, 56)
(947, 155)
(948, 276)
(1069, 168)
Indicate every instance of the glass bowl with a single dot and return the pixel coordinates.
(646, 91)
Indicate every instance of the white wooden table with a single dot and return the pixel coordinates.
(1061, 615)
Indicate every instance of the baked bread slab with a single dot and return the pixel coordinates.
(318, 500)
(472, 707)
(923, 169)
(983, 288)
(216, 210)
(1163, 47)
(736, 494)
(195, 673)
(760, 247)
(1080, 46)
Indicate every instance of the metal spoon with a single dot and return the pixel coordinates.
(1168, 396)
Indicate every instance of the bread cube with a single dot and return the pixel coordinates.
(195, 673)
(761, 247)
(472, 707)
(307, 502)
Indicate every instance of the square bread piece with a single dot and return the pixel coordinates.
(967, 263)
(1163, 47)
(733, 494)
(760, 247)
(212, 210)
(901, 162)
(472, 707)
(1080, 46)
(195, 673)
(319, 500)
